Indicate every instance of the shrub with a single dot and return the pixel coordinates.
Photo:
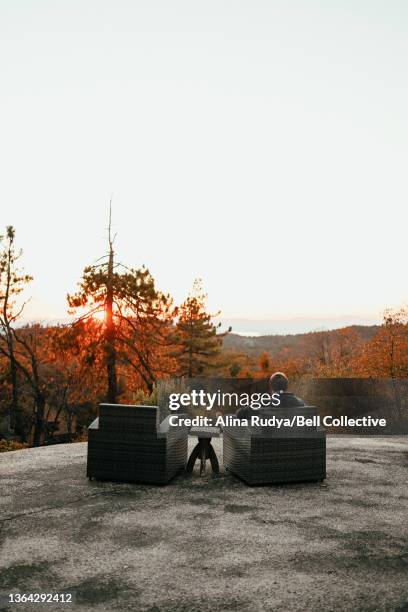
(144, 398)
(11, 445)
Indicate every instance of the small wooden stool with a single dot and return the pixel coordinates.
(203, 449)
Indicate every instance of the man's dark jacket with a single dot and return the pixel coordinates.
(287, 400)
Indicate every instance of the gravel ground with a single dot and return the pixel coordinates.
(208, 543)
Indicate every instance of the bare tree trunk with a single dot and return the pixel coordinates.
(395, 382)
(15, 417)
(110, 330)
(190, 361)
(39, 428)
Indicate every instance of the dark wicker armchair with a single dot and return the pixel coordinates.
(264, 455)
(127, 443)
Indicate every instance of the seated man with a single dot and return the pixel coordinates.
(278, 384)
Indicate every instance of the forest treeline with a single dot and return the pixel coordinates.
(126, 335)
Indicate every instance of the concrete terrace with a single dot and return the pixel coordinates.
(209, 543)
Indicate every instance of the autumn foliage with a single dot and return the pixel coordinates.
(126, 335)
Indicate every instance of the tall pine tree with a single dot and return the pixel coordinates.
(12, 284)
(198, 344)
(135, 318)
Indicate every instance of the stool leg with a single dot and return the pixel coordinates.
(192, 459)
(213, 459)
(203, 456)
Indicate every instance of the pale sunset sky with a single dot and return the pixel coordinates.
(260, 145)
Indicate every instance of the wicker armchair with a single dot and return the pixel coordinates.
(127, 443)
(264, 455)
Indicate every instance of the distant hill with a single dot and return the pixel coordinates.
(293, 345)
(295, 325)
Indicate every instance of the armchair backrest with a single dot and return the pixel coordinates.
(308, 412)
(121, 417)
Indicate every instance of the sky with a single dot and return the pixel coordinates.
(259, 145)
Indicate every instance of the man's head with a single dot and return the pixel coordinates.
(278, 382)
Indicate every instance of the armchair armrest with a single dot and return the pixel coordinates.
(237, 431)
(94, 424)
(165, 428)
